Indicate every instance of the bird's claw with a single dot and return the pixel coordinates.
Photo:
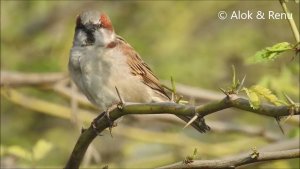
(111, 124)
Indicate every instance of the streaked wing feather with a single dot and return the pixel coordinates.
(140, 68)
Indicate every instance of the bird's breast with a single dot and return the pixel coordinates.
(101, 71)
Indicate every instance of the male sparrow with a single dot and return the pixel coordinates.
(101, 61)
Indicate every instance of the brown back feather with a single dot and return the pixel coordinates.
(139, 68)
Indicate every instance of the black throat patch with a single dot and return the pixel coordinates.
(90, 38)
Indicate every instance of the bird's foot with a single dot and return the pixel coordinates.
(105, 115)
(111, 123)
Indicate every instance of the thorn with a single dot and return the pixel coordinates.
(288, 117)
(224, 91)
(120, 106)
(241, 84)
(179, 99)
(289, 99)
(191, 121)
(280, 127)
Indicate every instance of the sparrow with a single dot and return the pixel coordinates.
(101, 61)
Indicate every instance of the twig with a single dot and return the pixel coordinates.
(44, 106)
(291, 20)
(238, 160)
(21, 79)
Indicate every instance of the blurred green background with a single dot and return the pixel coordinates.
(185, 40)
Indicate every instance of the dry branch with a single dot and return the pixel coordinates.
(238, 160)
(23, 79)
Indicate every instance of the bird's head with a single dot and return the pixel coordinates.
(93, 29)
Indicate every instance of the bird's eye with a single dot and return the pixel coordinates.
(94, 27)
(100, 25)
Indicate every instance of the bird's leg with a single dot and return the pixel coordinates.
(105, 114)
(110, 122)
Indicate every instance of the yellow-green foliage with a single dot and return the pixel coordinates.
(256, 93)
(270, 53)
(253, 98)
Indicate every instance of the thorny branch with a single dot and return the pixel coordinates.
(57, 82)
(169, 108)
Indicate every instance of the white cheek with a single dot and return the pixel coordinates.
(99, 37)
(79, 39)
(104, 37)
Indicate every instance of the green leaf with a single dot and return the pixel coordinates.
(41, 149)
(280, 47)
(266, 94)
(270, 53)
(253, 98)
(235, 82)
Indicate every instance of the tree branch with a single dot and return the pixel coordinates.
(291, 20)
(238, 160)
(21, 79)
(16, 79)
(101, 123)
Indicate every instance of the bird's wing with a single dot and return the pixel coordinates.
(139, 68)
